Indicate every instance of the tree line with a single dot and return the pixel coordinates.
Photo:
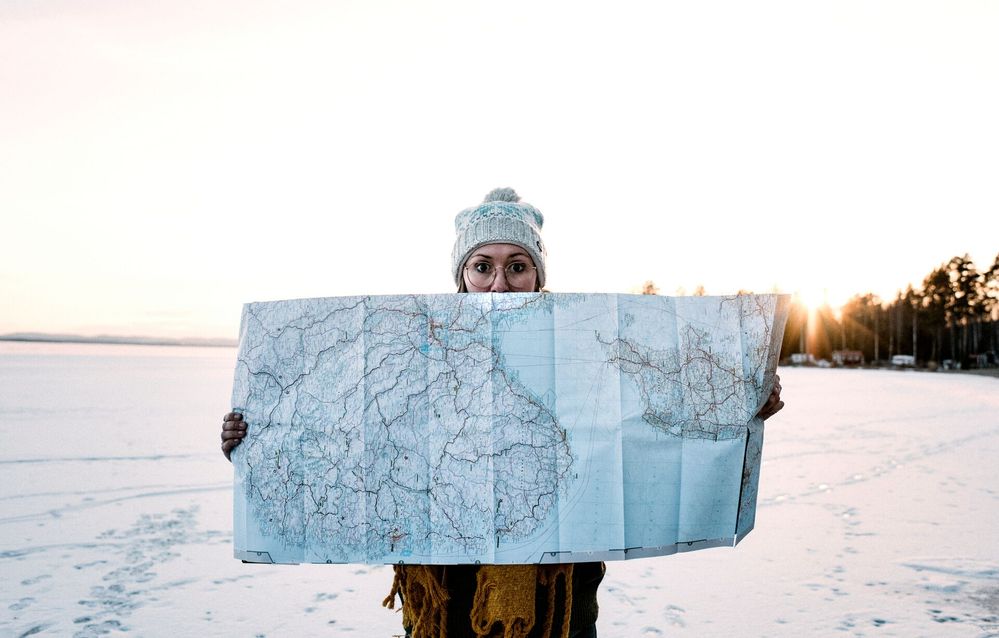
(953, 316)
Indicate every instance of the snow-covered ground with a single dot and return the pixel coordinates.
(878, 514)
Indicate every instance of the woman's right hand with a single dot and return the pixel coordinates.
(233, 431)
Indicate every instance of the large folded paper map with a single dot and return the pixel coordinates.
(500, 428)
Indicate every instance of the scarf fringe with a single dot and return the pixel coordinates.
(424, 599)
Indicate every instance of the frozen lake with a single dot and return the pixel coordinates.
(878, 514)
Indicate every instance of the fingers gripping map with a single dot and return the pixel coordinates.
(500, 428)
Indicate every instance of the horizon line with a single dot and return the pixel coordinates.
(41, 337)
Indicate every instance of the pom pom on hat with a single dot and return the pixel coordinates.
(502, 195)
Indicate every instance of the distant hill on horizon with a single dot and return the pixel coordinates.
(122, 340)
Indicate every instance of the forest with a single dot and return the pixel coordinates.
(952, 319)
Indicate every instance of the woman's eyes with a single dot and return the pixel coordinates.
(485, 267)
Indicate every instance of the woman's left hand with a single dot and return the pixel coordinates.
(773, 404)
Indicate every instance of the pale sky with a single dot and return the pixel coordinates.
(162, 163)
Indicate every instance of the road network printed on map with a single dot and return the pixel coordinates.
(509, 428)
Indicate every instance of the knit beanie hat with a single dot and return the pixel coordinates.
(500, 219)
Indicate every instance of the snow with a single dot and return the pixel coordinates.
(878, 514)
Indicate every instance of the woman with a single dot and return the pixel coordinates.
(498, 248)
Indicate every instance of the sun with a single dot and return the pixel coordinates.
(812, 300)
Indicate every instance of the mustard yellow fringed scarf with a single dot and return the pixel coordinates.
(424, 608)
(504, 604)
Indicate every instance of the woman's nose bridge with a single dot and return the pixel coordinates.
(500, 283)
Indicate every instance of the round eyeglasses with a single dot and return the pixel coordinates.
(518, 274)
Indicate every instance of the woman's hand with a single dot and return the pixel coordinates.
(233, 431)
(773, 404)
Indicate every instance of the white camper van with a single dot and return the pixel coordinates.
(903, 360)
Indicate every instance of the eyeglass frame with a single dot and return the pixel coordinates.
(496, 270)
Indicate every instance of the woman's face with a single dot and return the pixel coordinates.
(504, 262)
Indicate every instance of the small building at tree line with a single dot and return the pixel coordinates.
(848, 357)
